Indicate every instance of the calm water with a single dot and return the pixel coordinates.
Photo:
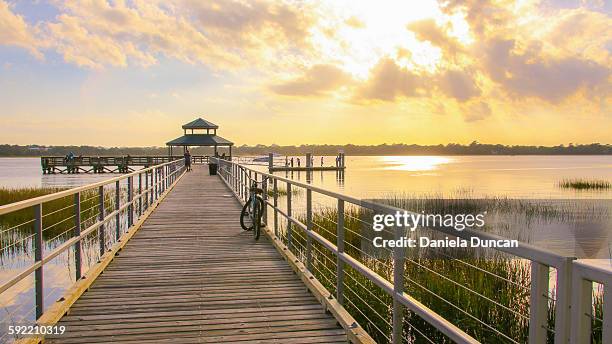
(518, 177)
(26, 172)
(457, 176)
(370, 177)
(581, 226)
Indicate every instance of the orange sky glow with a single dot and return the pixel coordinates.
(130, 73)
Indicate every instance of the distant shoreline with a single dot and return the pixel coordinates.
(450, 149)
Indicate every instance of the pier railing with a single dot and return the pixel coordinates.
(322, 245)
(72, 223)
(107, 164)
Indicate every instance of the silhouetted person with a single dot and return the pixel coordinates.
(187, 157)
(298, 162)
(321, 161)
(291, 162)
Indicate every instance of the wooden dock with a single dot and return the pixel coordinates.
(192, 275)
(306, 168)
(107, 164)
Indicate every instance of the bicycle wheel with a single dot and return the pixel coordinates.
(247, 214)
(246, 220)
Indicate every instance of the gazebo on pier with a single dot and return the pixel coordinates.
(192, 138)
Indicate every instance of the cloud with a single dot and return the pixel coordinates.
(388, 81)
(243, 22)
(428, 30)
(487, 17)
(458, 84)
(581, 33)
(355, 23)
(476, 111)
(97, 34)
(531, 75)
(15, 31)
(316, 81)
(221, 35)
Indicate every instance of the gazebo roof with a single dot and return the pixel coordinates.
(200, 124)
(199, 140)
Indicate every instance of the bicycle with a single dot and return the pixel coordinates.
(252, 211)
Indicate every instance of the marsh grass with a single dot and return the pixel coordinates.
(17, 228)
(585, 184)
(280, 192)
(488, 297)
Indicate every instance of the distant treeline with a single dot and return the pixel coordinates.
(474, 148)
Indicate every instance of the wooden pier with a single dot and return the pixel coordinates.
(192, 275)
(307, 169)
(309, 165)
(106, 164)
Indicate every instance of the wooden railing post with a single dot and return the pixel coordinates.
(139, 194)
(398, 289)
(118, 216)
(264, 186)
(77, 232)
(275, 200)
(101, 236)
(147, 190)
(538, 310)
(582, 310)
(245, 194)
(155, 183)
(563, 303)
(152, 191)
(289, 216)
(340, 246)
(38, 256)
(162, 184)
(247, 186)
(130, 207)
(308, 229)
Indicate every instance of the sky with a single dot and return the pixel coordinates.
(130, 73)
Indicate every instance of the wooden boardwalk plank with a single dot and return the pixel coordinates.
(191, 275)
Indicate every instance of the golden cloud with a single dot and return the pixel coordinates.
(316, 81)
(15, 31)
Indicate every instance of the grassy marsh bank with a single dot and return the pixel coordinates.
(486, 294)
(585, 184)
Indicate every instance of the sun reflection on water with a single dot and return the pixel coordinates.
(414, 163)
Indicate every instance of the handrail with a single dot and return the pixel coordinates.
(236, 177)
(585, 272)
(8, 208)
(162, 177)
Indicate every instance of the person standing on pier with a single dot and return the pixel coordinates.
(298, 162)
(187, 156)
(292, 162)
(321, 161)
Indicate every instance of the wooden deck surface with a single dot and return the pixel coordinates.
(191, 275)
